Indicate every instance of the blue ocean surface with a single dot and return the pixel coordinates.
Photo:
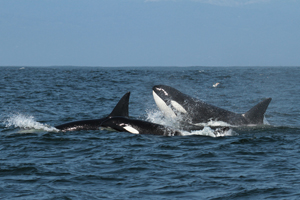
(253, 162)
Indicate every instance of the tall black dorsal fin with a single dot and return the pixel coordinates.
(256, 114)
(121, 109)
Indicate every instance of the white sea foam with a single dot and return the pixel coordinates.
(156, 116)
(214, 123)
(265, 121)
(26, 122)
(207, 131)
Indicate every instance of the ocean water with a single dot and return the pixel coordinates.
(37, 162)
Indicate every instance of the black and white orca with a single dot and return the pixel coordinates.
(135, 126)
(121, 109)
(173, 103)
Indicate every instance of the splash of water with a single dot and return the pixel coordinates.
(156, 116)
(207, 131)
(26, 122)
(266, 121)
(214, 123)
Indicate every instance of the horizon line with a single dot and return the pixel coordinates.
(127, 66)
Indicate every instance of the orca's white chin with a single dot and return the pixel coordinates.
(168, 112)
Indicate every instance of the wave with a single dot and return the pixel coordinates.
(26, 123)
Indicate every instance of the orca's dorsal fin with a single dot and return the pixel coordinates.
(121, 109)
(256, 114)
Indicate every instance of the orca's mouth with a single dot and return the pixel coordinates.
(163, 100)
(160, 91)
(162, 105)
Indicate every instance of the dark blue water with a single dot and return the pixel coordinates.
(251, 163)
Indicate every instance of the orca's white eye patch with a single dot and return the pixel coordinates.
(130, 129)
(178, 107)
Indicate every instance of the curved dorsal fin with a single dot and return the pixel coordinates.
(121, 109)
(256, 114)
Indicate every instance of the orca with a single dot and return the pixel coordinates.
(121, 109)
(135, 126)
(174, 103)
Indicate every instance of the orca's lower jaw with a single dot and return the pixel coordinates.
(162, 105)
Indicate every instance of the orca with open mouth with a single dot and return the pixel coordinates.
(174, 103)
(121, 109)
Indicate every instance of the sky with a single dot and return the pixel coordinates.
(150, 33)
